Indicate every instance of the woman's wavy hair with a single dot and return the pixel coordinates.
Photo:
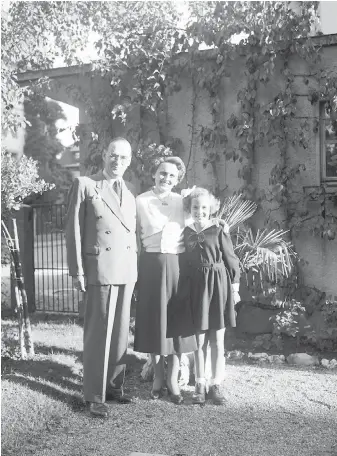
(199, 191)
(175, 161)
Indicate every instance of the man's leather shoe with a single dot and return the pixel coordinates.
(157, 394)
(117, 395)
(99, 410)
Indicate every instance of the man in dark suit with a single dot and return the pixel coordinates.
(102, 259)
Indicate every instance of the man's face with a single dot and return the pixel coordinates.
(117, 159)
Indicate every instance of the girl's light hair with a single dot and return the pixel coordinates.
(175, 161)
(198, 191)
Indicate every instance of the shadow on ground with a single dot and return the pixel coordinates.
(58, 381)
(57, 372)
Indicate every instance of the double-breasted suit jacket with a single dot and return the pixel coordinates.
(101, 245)
(100, 232)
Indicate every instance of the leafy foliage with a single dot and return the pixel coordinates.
(19, 179)
(294, 321)
(235, 211)
(34, 35)
(265, 35)
(42, 144)
(287, 321)
(267, 251)
(324, 337)
(137, 46)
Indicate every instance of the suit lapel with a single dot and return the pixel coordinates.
(110, 198)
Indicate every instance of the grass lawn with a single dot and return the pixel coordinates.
(279, 410)
(37, 394)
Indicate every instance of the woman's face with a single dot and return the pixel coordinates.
(201, 209)
(166, 177)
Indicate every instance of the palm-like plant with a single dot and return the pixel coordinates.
(265, 252)
(234, 211)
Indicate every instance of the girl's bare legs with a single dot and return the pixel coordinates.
(200, 360)
(200, 356)
(216, 339)
(173, 366)
(159, 372)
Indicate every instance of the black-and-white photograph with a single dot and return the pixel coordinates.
(168, 228)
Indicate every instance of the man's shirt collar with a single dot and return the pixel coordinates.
(110, 180)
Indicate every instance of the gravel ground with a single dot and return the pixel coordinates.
(279, 411)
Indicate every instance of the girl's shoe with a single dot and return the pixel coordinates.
(215, 394)
(175, 398)
(199, 394)
(157, 394)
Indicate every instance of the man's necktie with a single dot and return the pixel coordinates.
(118, 189)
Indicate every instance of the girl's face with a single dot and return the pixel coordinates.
(166, 177)
(201, 209)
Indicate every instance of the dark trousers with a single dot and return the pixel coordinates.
(105, 338)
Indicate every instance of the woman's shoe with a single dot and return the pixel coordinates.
(98, 409)
(175, 398)
(157, 394)
(199, 396)
(118, 395)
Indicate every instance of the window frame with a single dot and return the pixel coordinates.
(332, 180)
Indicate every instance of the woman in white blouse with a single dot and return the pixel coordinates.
(160, 218)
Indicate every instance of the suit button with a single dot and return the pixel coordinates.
(108, 232)
(99, 217)
(108, 248)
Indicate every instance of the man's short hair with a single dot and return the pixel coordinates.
(116, 140)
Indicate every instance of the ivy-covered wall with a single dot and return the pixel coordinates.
(204, 107)
(190, 108)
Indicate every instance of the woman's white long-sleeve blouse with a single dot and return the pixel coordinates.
(160, 226)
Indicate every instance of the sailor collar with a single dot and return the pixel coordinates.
(209, 224)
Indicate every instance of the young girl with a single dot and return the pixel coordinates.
(211, 284)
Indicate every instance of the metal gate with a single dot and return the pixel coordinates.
(53, 287)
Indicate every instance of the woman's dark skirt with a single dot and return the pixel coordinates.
(157, 288)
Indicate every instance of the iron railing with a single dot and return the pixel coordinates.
(54, 291)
